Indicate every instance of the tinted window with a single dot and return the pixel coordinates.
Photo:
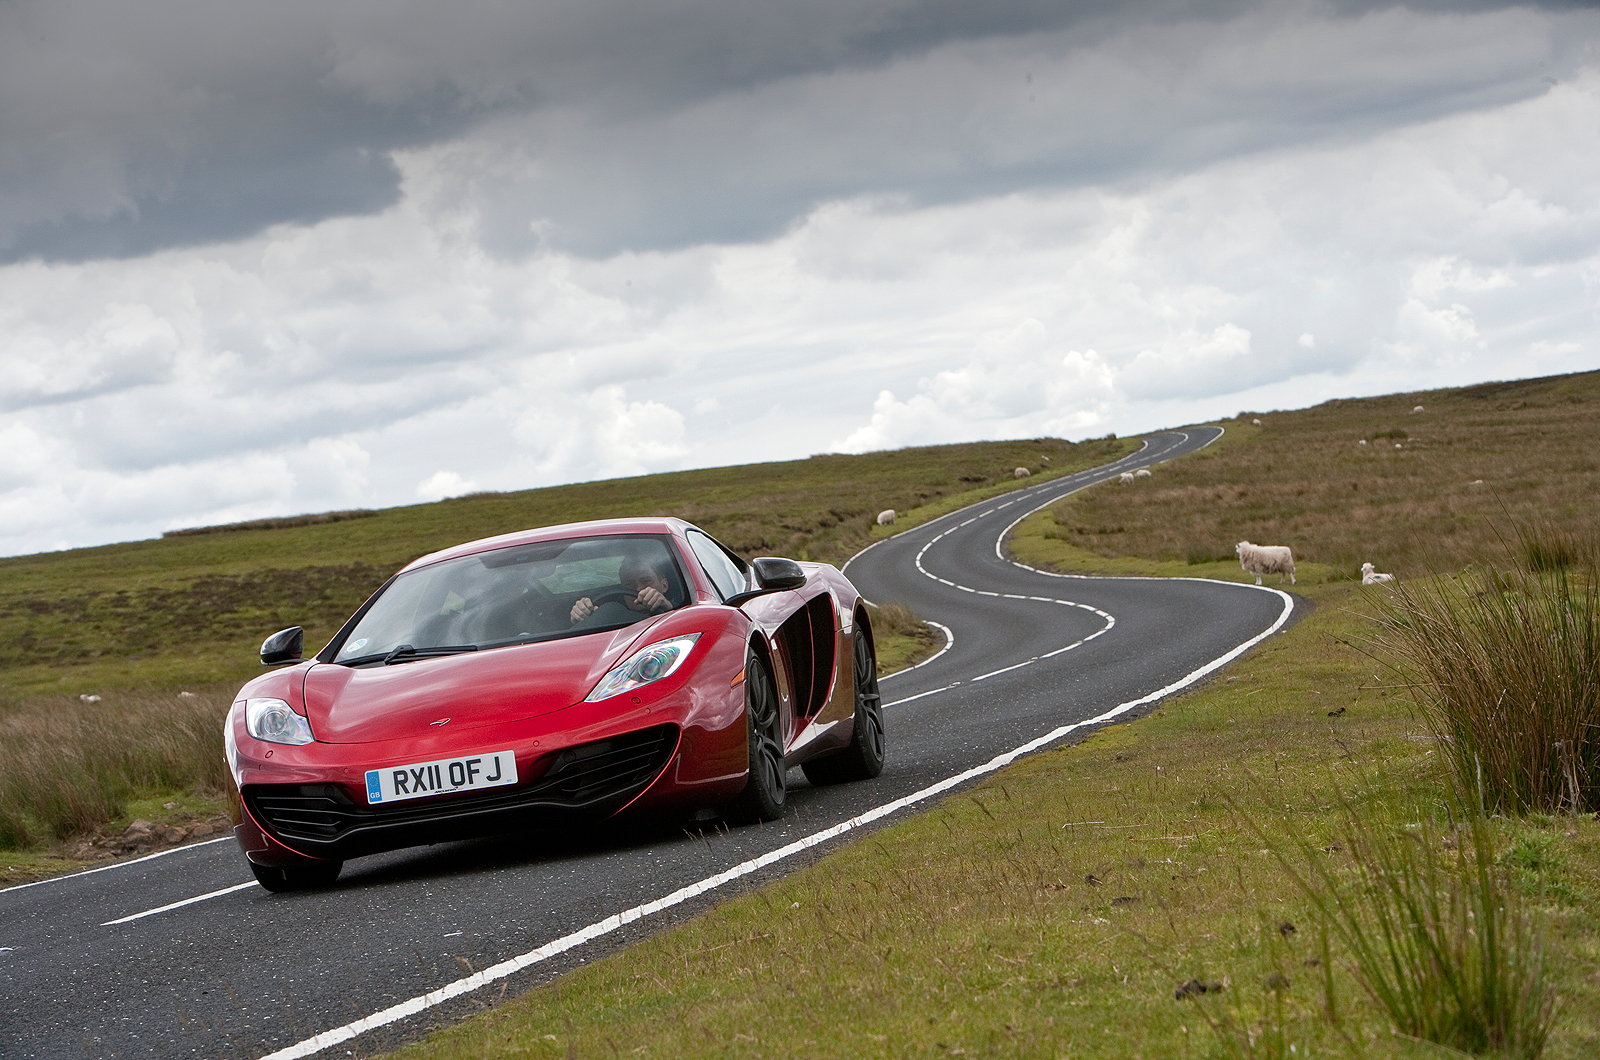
(725, 571)
(520, 594)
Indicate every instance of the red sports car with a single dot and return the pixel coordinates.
(549, 677)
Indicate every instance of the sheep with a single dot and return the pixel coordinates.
(188, 695)
(86, 698)
(1362, 442)
(1126, 478)
(1266, 559)
(1021, 472)
(886, 517)
(1255, 423)
(1142, 473)
(1417, 409)
(1372, 577)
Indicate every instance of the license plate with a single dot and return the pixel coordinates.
(492, 769)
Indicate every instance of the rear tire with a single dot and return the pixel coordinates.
(299, 878)
(764, 794)
(863, 759)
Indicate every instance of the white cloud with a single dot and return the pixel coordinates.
(442, 484)
(371, 360)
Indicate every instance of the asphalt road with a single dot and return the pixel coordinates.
(180, 954)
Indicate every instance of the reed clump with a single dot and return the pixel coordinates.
(69, 767)
(1432, 931)
(1504, 660)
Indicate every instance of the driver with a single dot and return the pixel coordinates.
(644, 590)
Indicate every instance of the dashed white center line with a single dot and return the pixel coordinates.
(178, 905)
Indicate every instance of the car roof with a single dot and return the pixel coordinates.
(592, 528)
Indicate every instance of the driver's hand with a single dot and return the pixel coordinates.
(583, 609)
(650, 600)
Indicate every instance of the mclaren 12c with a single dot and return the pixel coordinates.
(548, 678)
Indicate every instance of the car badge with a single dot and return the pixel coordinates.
(441, 721)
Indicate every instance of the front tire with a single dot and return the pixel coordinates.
(299, 878)
(863, 759)
(764, 794)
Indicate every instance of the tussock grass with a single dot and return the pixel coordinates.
(68, 767)
(1434, 935)
(1505, 659)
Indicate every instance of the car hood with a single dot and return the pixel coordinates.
(402, 701)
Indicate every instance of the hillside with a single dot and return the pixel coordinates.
(190, 609)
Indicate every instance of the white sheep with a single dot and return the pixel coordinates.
(1126, 478)
(1255, 423)
(1362, 442)
(1417, 409)
(1372, 577)
(886, 517)
(1266, 559)
(86, 698)
(1141, 473)
(188, 695)
(1021, 472)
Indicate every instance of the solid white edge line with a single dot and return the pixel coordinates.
(118, 865)
(423, 1002)
(179, 905)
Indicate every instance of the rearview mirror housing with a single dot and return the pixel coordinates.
(283, 647)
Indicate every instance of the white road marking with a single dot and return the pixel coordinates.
(179, 905)
(600, 928)
(118, 865)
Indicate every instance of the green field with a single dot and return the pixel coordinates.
(165, 631)
(1074, 904)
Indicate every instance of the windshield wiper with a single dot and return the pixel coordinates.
(405, 653)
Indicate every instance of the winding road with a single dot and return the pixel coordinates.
(181, 955)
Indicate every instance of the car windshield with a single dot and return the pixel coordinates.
(518, 595)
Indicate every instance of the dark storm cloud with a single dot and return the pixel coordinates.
(127, 128)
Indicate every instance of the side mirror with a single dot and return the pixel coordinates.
(777, 574)
(772, 576)
(283, 647)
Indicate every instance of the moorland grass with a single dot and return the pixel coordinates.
(69, 767)
(139, 623)
(191, 610)
(1074, 904)
(1475, 460)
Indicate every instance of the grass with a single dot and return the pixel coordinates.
(1476, 459)
(1057, 909)
(190, 610)
(1506, 661)
(147, 624)
(69, 768)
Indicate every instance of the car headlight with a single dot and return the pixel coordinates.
(644, 666)
(272, 720)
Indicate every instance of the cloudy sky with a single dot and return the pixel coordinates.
(261, 259)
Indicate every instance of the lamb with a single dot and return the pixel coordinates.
(886, 517)
(1369, 576)
(1126, 478)
(1141, 473)
(1021, 472)
(1266, 559)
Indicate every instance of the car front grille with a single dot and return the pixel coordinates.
(598, 777)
